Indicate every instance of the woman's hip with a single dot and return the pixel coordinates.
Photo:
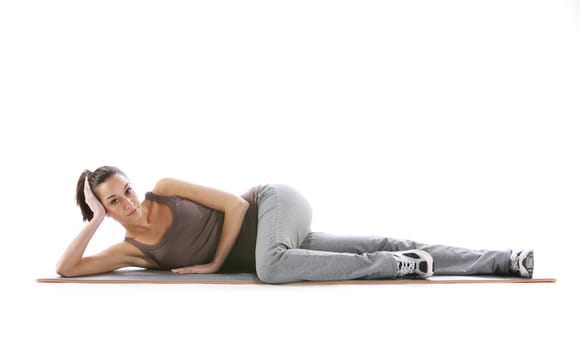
(284, 215)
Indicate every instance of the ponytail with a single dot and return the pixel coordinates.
(81, 202)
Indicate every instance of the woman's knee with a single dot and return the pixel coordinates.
(269, 273)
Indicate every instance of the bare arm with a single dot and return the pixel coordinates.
(74, 252)
(72, 262)
(233, 207)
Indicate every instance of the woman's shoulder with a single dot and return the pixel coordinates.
(156, 196)
(164, 186)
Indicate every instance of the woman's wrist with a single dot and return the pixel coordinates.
(217, 263)
(97, 218)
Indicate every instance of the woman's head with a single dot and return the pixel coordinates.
(96, 178)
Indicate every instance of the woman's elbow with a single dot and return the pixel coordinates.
(242, 205)
(64, 272)
(238, 207)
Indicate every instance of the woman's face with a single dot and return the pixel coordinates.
(119, 199)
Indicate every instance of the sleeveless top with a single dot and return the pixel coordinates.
(195, 231)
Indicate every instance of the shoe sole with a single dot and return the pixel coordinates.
(527, 264)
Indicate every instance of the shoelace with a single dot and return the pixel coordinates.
(406, 266)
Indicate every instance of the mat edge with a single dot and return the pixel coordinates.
(457, 281)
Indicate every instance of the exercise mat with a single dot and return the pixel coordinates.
(168, 277)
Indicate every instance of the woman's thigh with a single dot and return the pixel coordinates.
(284, 217)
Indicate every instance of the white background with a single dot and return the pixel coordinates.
(449, 122)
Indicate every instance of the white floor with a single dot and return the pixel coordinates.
(73, 316)
(450, 121)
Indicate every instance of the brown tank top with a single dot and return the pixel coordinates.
(194, 234)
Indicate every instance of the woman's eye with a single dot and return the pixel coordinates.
(114, 201)
(129, 191)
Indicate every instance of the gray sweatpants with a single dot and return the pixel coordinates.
(287, 251)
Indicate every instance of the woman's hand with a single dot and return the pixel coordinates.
(205, 268)
(93, 202)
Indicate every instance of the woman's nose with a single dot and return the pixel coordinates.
(128, 203)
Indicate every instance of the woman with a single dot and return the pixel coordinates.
(187, 228)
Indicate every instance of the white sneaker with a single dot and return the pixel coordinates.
(522, 263)
(414, 263)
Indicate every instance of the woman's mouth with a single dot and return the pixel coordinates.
(132, 212)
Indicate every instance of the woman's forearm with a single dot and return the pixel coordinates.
(233, 220)
(74, 253)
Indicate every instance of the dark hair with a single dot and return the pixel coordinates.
(96, 178)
